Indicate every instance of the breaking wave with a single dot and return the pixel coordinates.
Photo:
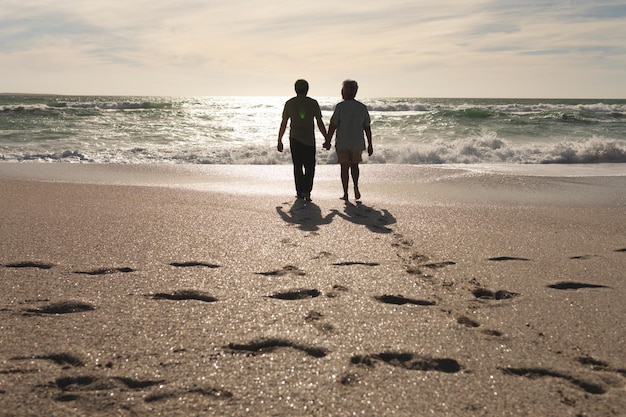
(243, 130)
(468, 151)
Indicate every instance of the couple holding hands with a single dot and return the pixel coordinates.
(350, 120)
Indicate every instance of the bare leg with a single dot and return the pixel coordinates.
(345, 177)
(354, 168)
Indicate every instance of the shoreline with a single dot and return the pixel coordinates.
(151, 173)
(144, 290)
(481, 184)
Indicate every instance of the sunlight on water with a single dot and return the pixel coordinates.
(243, 130)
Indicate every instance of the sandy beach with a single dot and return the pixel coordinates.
(212, 291)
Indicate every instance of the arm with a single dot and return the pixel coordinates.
(281, 132)
(322, 127)
(368, 135)
(331, 131)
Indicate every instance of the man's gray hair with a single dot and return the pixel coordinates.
(350, 87)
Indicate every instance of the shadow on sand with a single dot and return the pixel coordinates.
(377, 221)
(306, 215)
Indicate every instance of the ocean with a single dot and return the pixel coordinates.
(243, 130)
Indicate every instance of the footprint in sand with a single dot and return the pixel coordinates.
(467, 322)
(63, 307)
(415, 268)
(352, 263)
(438, 265)
(336, 290)
(106, 271)
(28, 264)
(400, 300)
(286, 270)
(350, 378)
(507, 258)
(421, 259)
(322, 254)
(582, 257)
(65, 360)
(565, 285)
(401, 242)
(315, 318)
(485, 294)
(72, 387)
(179, 295)
(299, 294)
(178, 395)
(534, 373)
(409, 361)
(414, 262)
(597, 365)
(269, 345)
(191, 264)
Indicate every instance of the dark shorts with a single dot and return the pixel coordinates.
(348, 157)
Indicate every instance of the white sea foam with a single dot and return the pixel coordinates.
(243, 130)
(466, 151)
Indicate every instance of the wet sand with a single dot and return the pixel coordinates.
(448, 291)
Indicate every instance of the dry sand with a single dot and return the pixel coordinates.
(210, 291)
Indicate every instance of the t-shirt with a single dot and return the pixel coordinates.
(350, 117)
(302, 111)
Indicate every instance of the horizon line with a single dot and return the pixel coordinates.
(262, 95)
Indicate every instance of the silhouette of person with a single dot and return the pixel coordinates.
(350, 120)
(307, 216)
(377, 221)
(302, 111)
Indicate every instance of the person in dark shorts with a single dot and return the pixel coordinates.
(303, 111)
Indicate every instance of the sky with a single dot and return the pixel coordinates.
(393, 48)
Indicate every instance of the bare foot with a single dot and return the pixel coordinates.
(345, 197)
(357, 194)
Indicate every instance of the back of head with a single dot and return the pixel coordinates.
(350, 88)
(302, 87)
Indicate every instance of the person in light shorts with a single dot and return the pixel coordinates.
(351, 121)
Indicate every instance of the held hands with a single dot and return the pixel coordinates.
(327, 136)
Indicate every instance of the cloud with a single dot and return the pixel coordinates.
(399, 47)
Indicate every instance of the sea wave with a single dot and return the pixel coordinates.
(492, 150)
(114, 105)
(23, 108)
(466, 151)
(104, 105)
(507, 107)
(380, 105)
(240, 130)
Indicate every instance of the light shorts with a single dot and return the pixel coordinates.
(348, 157)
